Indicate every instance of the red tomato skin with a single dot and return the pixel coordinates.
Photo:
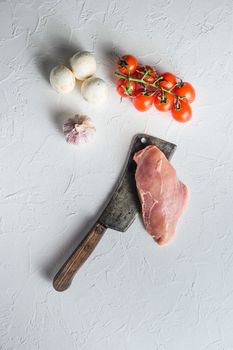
(184, 114)
(149, 78)
(120, 87)
(131, 64)
(143, 102)
(166, 105)
(169, 80)
(186, 90)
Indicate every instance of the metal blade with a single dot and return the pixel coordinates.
(124, 204)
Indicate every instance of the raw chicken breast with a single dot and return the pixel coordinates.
(163, 197)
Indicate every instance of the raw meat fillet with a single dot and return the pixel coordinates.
(163, 197)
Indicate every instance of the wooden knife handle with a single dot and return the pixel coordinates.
(64, 277)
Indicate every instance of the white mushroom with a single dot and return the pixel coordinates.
(94, 90)
(83, 65)
(62, 79)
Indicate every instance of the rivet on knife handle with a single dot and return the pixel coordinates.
(64, 277)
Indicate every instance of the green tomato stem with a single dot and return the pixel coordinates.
(155, 85)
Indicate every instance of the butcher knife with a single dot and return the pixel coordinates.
(118, 214)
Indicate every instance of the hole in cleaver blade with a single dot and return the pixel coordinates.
(124, 204)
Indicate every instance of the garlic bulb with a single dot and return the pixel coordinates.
(79, 129)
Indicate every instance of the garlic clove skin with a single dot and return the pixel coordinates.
(83, 65)
(62, 79)
(94, 90)
(79, 129)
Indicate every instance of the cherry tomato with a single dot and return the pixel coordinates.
(186, 90)
(183, 112)
(169, 80)
(124, 88)
(127, 64)
(143, 102)
(163, 103)
(151, 73)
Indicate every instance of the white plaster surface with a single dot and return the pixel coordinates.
(131, 294)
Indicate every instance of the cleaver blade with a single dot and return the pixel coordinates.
(124, 204)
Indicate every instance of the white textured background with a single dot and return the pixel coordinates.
(131, 294)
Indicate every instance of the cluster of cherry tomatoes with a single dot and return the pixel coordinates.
(145, 87)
